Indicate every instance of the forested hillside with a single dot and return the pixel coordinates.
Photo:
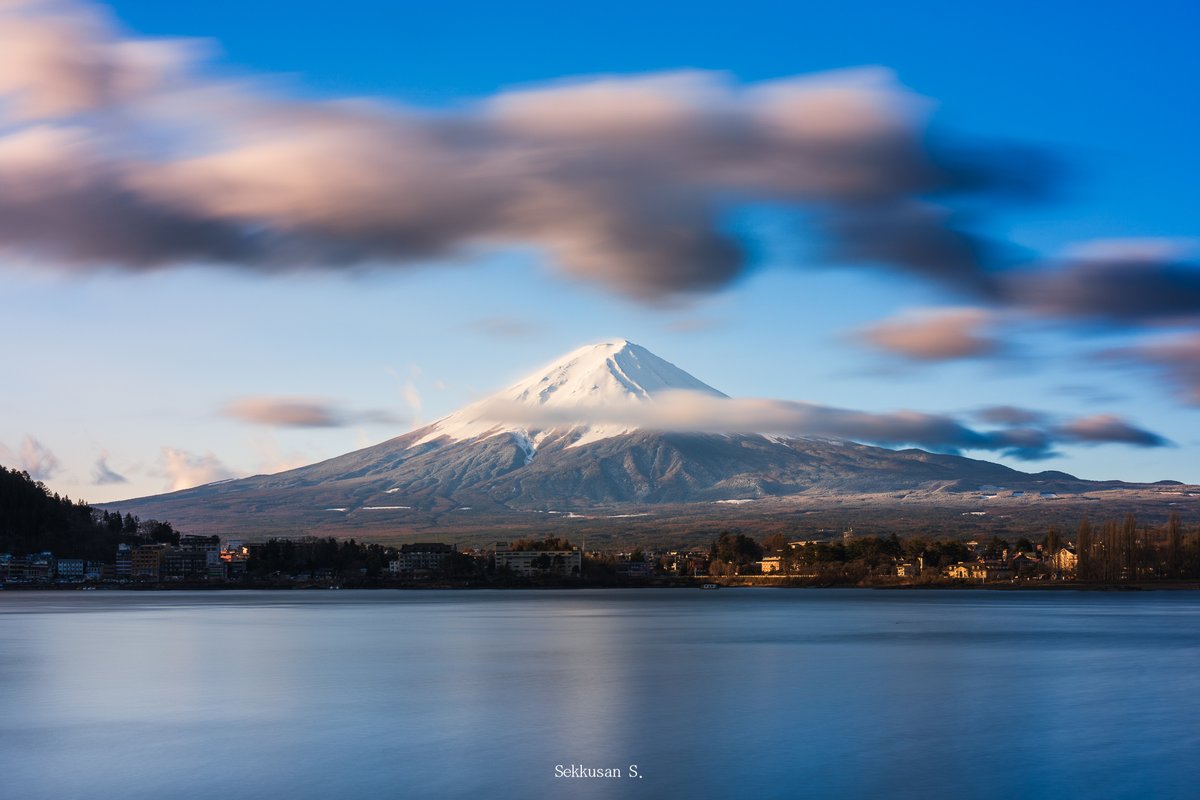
(33, 519)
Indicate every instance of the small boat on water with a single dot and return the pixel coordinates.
(710, 586)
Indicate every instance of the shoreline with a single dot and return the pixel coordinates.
(726, 583)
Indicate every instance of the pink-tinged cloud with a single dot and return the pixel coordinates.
(60, 59)
(1108, 429)
(943, 335)
(291, 412)
(33, 457)
(185, 470)
(1176, 360)
(283, 412)
(625, 181)
(1010, 415)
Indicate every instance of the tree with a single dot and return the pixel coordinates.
(1174, 545)
(737, 550)
(1129, 548)
(1050, 544)
(160, 532)
(460, 565)
(995, 549)
(1083, 549)
(549, 543)
(776, 541)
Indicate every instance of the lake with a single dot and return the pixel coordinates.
(736, 693)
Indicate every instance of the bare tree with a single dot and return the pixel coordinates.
(1083, 550)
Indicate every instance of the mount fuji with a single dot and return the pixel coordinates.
(528, 455)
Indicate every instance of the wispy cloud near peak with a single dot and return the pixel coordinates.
(695, 412)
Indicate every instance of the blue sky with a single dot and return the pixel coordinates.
(135, 367)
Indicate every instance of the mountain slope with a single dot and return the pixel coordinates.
(468, 459)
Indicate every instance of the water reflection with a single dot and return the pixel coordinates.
(760, 693)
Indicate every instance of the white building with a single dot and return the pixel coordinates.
(420, 556)
(539, 562)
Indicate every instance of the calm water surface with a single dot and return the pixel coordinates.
(738, 693)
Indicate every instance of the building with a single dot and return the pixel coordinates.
(959, 571)
(179, 564)
(69, 570)
(1025, 563)
(980, 571)
(539, 562)
(692, 562)
(634, 569)
(210, 546)
(7, 564)
(196, 557)
(1065, 560)
(204, 544)
(147, 562)
(40, 567)
(908, 570)
(990, 571)
(772, 564)
(420, 557)
(124, 562)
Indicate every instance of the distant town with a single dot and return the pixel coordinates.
(51, 542)
(732, 559)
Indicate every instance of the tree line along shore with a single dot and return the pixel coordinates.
(48, 541)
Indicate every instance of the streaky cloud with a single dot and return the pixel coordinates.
(291, 412)
(1108, 429)
(1117, 283)
(1175, 359)
(695, 412)
(1010, 415)
(624, 181)
(934, 335)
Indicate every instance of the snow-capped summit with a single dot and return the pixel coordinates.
(617, 371)
(607, 374)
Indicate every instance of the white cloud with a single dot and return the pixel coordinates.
(412, 396)
(271, 459)
(37, 459)
(185, 470)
